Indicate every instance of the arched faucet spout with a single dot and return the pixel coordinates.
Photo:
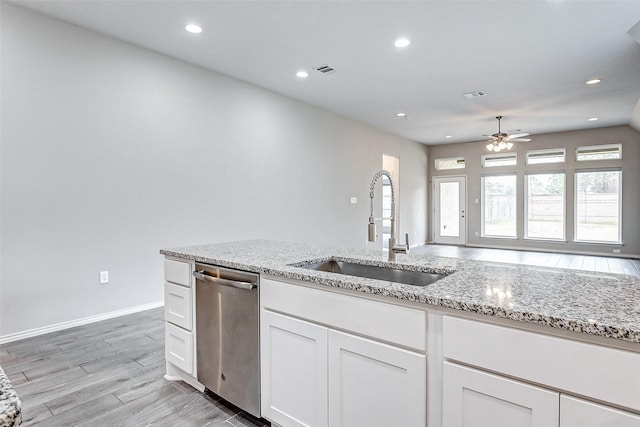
(394, 248)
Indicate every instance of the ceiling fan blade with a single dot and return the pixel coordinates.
(518, 135)
(520, 140)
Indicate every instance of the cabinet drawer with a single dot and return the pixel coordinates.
(177, 272)
(387, 322)
(178, 347)
(603, 373)
(577, 412)
(177, 305)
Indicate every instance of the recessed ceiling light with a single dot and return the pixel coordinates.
(593, 81)
(448, 136)
(401, 114)
(302, 74)
(593, 119)
(402, 42)
(193, 28)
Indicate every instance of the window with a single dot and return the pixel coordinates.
(499, 211)
(493, 160)
(450, 163)
(599, 152)
(598, 206)
(546, 156)
(545, 206)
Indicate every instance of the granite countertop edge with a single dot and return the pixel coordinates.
(10, 405)
(530, 294)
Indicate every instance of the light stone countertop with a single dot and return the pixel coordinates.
(10, 405)
(600, 304)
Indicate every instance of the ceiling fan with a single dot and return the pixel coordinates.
(503, 141)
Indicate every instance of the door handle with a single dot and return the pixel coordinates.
(224, 282)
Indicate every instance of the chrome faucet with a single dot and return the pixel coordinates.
(394, 247)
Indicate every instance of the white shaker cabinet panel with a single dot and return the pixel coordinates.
(374, 384)
(294, 371)
(177, 305)
(179, 347)
(473, 398)
(177, 272)
(580, 413)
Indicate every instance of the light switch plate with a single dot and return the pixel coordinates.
(104, 277)
(354, 200)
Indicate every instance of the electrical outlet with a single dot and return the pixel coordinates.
(104, 277)
(477, 234)
(616, 251)
(354, 200)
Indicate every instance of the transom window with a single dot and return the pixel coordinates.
(599, 152)
(450, 163)
(502, 159)
(556, 155)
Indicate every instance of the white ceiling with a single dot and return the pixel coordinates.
(530, 57)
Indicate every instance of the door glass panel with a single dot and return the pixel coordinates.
(386, 211)
(450, 209)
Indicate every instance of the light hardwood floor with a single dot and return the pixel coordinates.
(548, 259)
(110, 373)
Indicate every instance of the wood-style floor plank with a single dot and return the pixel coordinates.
(603, 264)
(109, 373)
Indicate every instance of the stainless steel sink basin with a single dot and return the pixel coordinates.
(416, 278)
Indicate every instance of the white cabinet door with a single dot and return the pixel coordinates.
(294, 371)
(472, 398)
(373, 384)
(177, 305)
(580, 413)
(178, 347)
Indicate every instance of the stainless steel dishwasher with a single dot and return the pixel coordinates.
(227, 333)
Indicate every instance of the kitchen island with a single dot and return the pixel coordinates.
(606, 305)
(520, 336)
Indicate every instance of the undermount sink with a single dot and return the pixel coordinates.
(408, 277)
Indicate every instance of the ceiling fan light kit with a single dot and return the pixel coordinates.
(502, 141)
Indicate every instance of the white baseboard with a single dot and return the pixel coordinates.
(78, 322)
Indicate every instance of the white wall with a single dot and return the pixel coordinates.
(111, 152)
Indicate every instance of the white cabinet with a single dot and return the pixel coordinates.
(472, 398)
(294, 371)
(576, 412)
(177, 305)
(178, 345)
(324, 363)
(179, 300)
(373, 384)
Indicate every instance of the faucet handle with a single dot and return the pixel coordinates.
(406, 240)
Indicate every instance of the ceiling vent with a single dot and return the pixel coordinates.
(325, 69)
(471, 95)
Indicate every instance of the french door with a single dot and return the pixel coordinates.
(449, 210)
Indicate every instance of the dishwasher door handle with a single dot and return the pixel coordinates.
(224, 282)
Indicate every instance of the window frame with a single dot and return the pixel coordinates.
(457, 159)
(483, 234)
(499, 156)
(526, 206)
(575, 206)
(598, 147)
(541, 153)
